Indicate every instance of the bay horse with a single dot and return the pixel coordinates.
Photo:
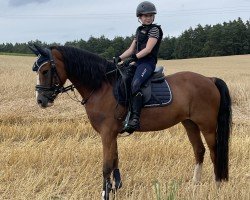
(202, 104)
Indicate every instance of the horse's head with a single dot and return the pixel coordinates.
(51, 75)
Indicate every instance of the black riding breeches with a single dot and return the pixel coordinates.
(143, 72)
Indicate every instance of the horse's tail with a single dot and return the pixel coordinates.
(223, 131)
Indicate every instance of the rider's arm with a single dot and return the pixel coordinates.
(150, 45)
(129, 51)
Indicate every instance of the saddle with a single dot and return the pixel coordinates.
(156, 91)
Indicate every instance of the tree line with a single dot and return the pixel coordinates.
(229, 38)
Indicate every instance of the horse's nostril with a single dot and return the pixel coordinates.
(39, 101)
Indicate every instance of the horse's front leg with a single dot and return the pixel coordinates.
(110, 164)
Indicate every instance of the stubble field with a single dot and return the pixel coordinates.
(55, 154)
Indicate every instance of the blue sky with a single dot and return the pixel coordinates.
(68, 20)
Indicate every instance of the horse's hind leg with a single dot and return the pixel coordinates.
(194, 136)
(210, 138)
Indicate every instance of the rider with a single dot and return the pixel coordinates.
(143, 50)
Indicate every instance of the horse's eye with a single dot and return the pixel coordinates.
(45, 72)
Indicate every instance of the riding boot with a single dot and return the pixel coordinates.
(134, 121)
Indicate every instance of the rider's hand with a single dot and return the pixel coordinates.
(117, 59)
(129, 60)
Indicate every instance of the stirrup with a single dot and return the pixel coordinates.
(130, 128)
(126, 131)
(135, 123)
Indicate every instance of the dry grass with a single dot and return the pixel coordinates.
(55, 154)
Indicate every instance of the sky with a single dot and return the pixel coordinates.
(68, 20)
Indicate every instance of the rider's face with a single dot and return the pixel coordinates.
(147, 19)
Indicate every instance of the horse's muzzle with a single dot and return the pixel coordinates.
(43, 101)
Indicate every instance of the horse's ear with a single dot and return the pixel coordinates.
(40, 50)
(33, 50)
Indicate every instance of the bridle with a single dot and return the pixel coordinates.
(54, 88)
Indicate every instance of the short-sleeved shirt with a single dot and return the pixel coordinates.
(154, 33)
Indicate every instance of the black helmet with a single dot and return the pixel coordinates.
(145, 7)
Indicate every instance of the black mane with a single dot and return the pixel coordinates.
(89, 68)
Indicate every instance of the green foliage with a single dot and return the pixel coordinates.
(172, 189)
(229, 38)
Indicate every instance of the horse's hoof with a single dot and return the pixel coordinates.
(118, 185)
(104, 196)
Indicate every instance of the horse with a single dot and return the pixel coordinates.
(202, 104)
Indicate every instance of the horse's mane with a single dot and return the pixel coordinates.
(89, 68)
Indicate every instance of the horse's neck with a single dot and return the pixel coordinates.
(95, 96)
(83, 91)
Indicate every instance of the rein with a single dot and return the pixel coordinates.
(71, 87)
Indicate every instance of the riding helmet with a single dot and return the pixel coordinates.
(145, 7)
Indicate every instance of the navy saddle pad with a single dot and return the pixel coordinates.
(156, 91)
